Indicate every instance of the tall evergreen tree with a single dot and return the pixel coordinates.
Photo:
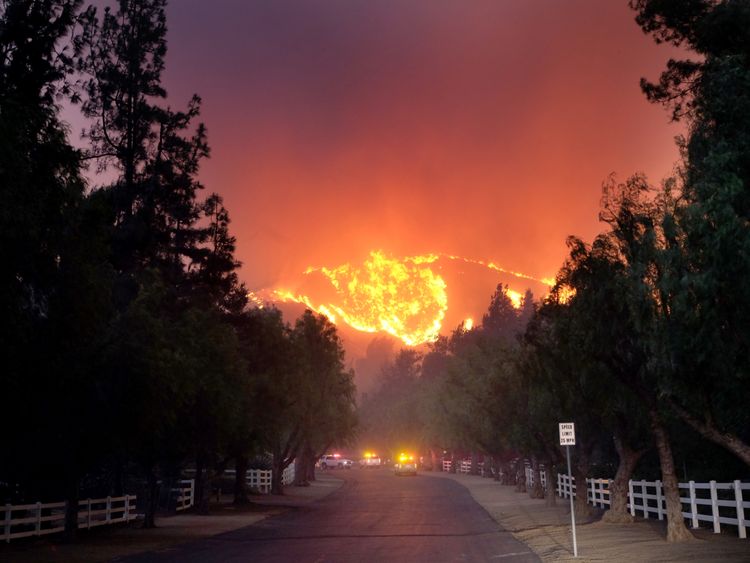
(214, 272)
(172, 254)
(157, 150)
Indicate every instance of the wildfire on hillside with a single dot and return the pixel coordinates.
(404, 297)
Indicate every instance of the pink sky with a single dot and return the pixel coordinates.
(477, 128)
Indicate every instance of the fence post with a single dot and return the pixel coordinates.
(38, 518)
(192, 492)
(631, 496)
(740, 509)
(126, 514)
(8, 512)
(593, 491)
(108, 514)
(88, 515)
(715, 508)
(609, 492)
(659, 498)
(693, 505)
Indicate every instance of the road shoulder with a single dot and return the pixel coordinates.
(546, 530)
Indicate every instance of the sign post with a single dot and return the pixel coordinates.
(567, 439)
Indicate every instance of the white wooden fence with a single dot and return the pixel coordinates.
(646, 498)
(464, 466)
(260, 479)
(530, 476)
(597, 491)
(185, 494)
(39, 519)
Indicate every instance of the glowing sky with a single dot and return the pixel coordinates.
(479, 128)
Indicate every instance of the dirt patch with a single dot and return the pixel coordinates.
(546, 530)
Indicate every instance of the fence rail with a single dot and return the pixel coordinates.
(185, 494)
(39, 519)
(463, 466)
(722, 503)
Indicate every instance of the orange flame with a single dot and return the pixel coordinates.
(565, 293)
(403, 297)
(515, 298)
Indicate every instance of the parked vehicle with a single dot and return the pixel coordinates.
(335, 461)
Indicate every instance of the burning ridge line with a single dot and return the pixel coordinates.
(402, 297)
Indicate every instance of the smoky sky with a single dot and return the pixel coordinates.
(476, 128)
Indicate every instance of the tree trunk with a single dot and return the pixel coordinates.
(676, 529)
(550, 495)
(474, 469)
(730, 442)
(453, 463)
(301, 467)
(300, 470)
(199, 484)
(310, 469)
(202, 486)
(277, 485)
(241, 496)
(520, 477)
(581, 469)
(507, 474)
(433, 460)
(536, 490)
(152, 498)
(618, 488)
(71, 509)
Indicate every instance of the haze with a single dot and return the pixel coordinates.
(480, 129)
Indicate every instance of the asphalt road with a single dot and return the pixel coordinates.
(375, 516)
